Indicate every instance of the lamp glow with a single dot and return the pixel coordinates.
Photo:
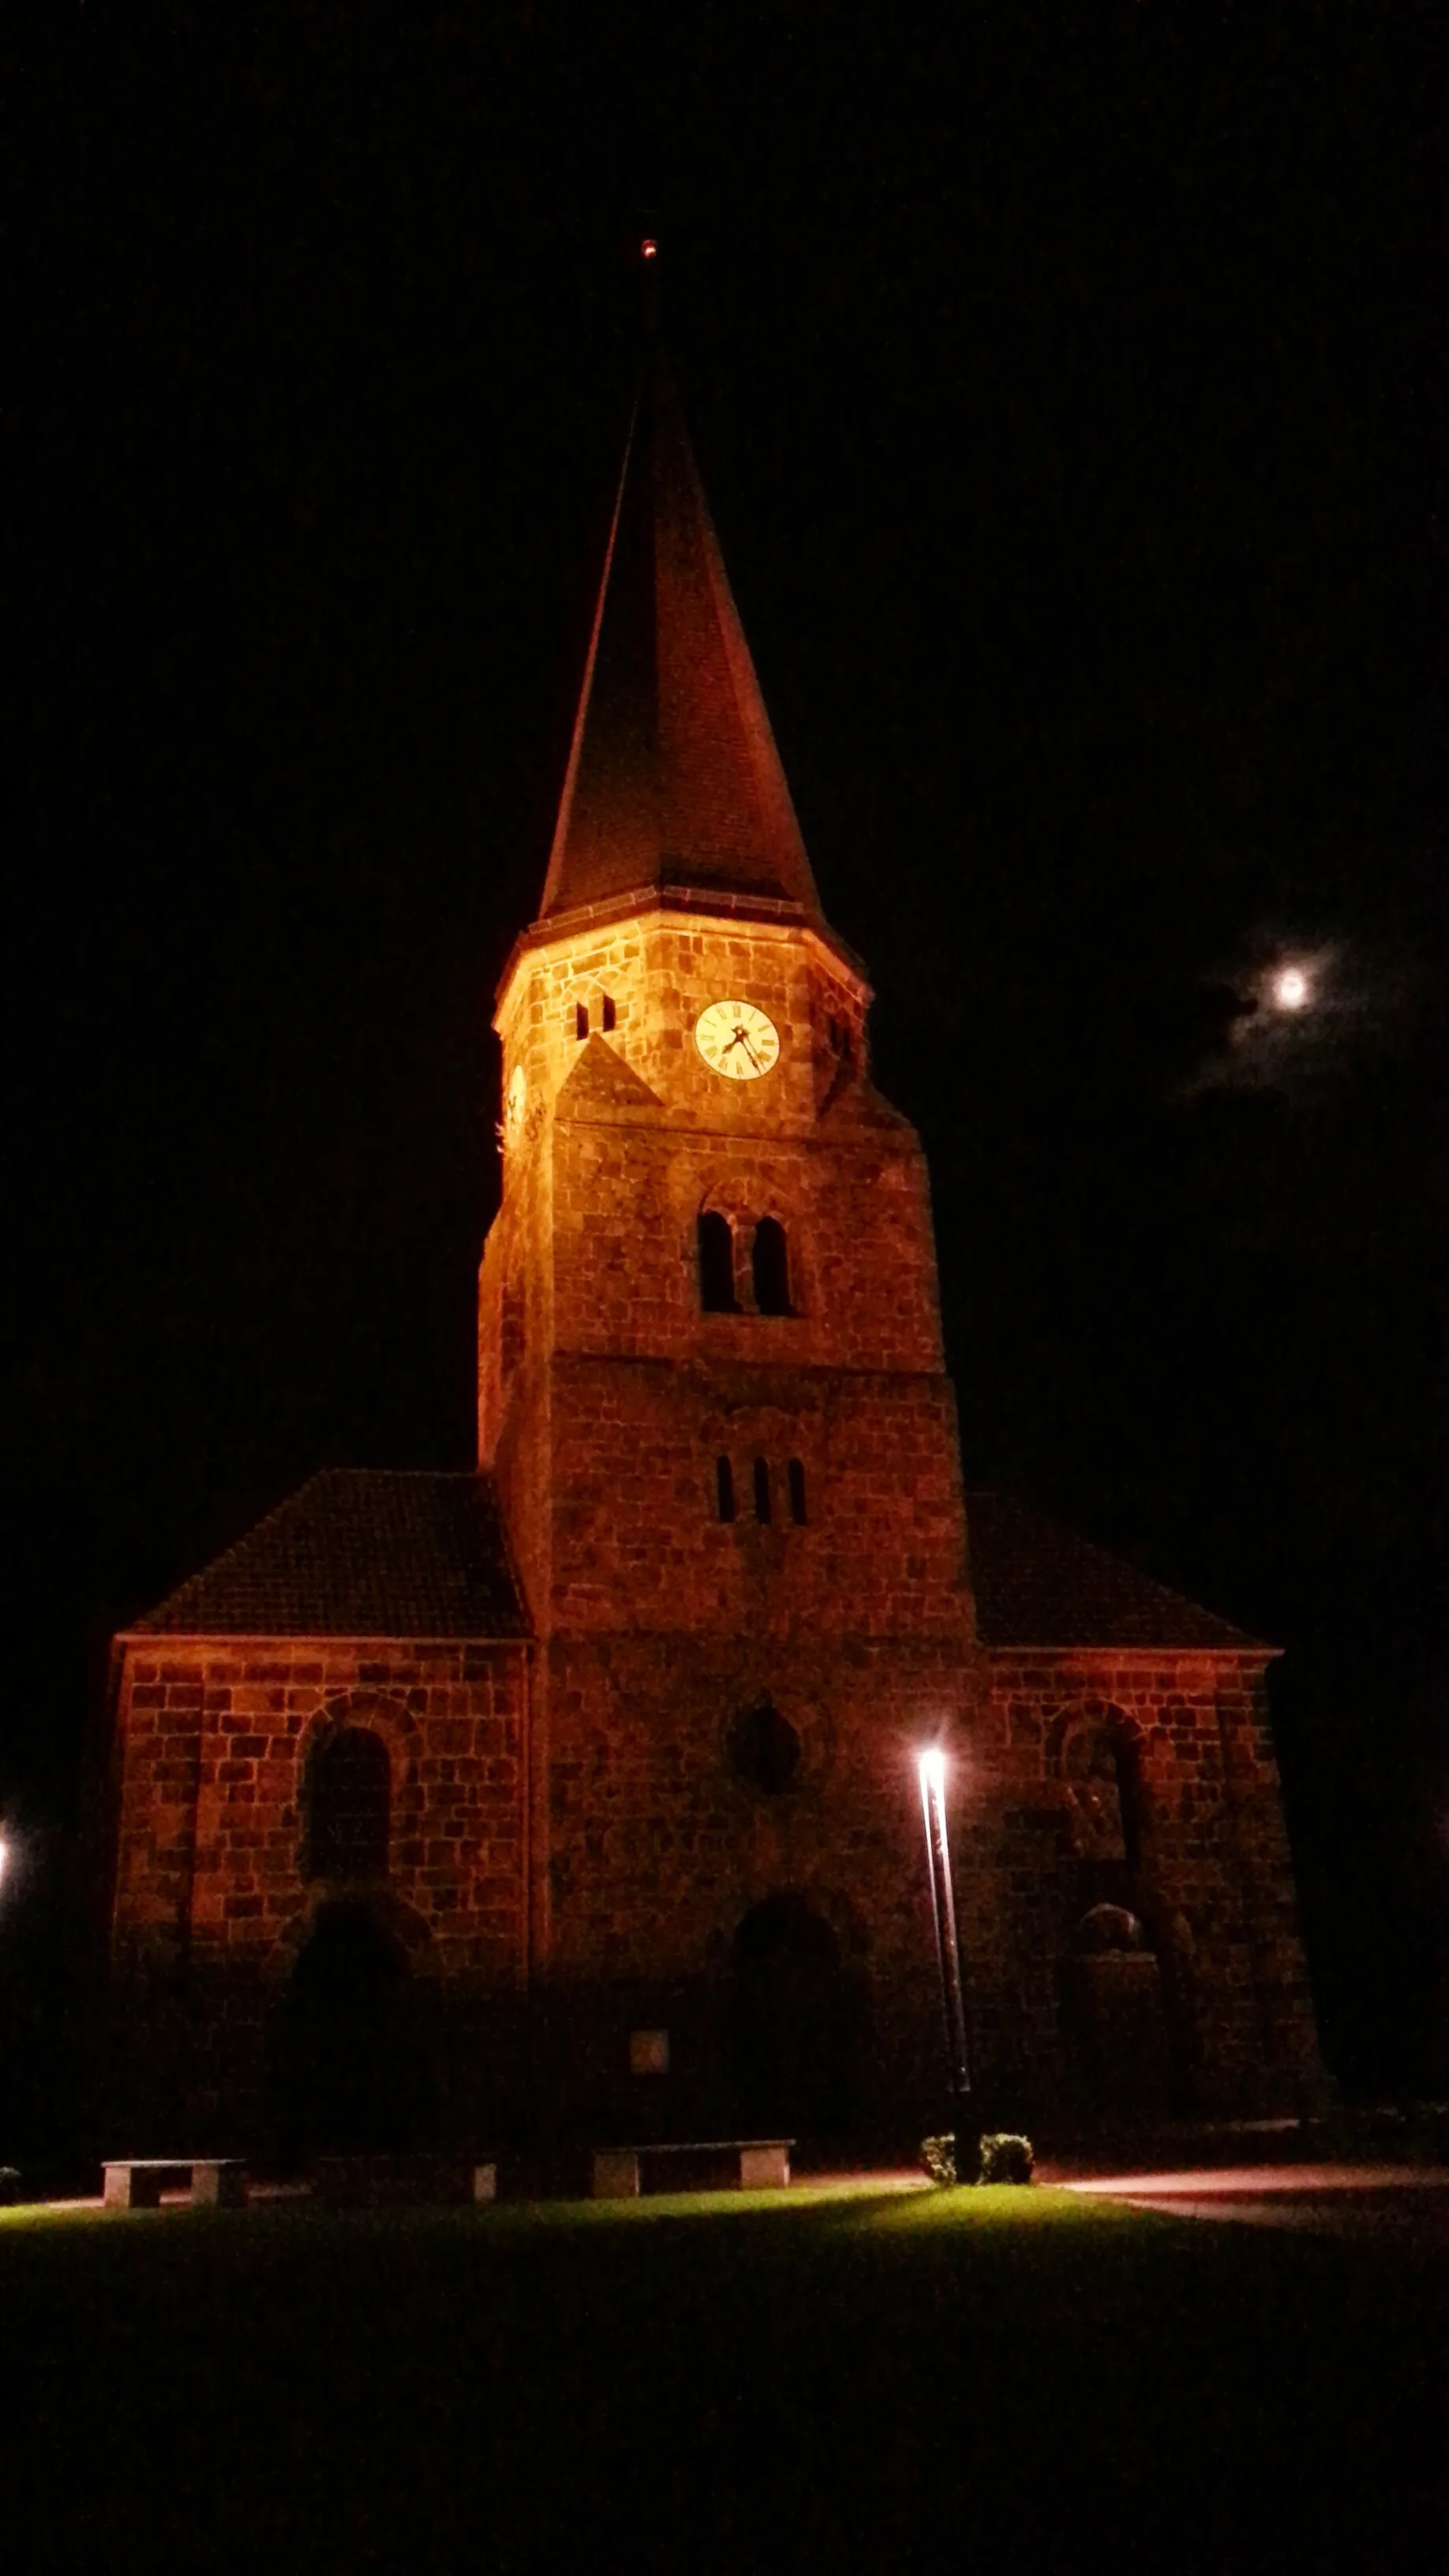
(1291, 988)
(4, 1858)
(931, 1765)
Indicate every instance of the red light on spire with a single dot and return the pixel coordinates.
(648, 249)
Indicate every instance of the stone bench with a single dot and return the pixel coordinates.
(745, 2164)
(403, 2181)
(137, 2182)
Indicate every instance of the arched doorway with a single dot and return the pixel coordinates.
(792, 2023)
(1115, 2015)
(355, 2070)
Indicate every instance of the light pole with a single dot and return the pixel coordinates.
(932, 1767)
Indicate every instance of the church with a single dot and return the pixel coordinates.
(575, 1799)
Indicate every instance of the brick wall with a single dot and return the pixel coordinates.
(573, 1821)
(212, 1901)
(661, 1620)
(656, 1846)
(606, 1396)
(1213, 1881)
(660, 969)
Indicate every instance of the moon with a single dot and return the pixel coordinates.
(1291, 989)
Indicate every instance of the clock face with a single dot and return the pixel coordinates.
(516, 1102)
(737, 1040)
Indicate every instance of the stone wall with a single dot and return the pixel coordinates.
(1210, 1876)
(656, 1850)
(615, 1152)
(213, 1902)
(661, 1837)
(624, 1205)
(638, 1538)
(608, 1397)
(660, 969)
(715, 1738)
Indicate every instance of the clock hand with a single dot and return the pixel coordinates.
(741, 1038)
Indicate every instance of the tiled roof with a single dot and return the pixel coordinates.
(673, 779)
(1037, 1584)
(359, 1552)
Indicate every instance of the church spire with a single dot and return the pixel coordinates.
(673, 779)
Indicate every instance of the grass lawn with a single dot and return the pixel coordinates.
(970, 2380)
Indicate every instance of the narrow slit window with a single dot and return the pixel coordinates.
(581, 1019)
(797, 1492)
(607, 1011)
(770, 1264)
(717, 1265)
(762, 1489)
(724, 1487)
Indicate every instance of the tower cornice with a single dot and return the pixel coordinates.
(724, 908)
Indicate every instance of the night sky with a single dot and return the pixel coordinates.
(1067, 384)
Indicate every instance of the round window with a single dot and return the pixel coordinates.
(764, 1748)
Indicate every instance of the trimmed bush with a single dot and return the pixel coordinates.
(1006, 2158)
(938, 2156)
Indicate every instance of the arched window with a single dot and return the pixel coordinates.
(724, 1486)
(1089, 1766)
(770, 1263)
(349, 1801)
(797, 1492)
(581, 1019)
(762, 1489)
(607, 1004)
(716, 1265)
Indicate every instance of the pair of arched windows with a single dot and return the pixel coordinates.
(761, 1487)
(769, 1266)
(606, 1016)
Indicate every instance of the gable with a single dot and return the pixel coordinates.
(600, 1079)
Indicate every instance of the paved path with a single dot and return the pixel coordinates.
(1405, 2203)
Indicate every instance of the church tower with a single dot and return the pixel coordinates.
(711, 1385)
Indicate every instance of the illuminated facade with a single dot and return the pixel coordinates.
(579, 1797)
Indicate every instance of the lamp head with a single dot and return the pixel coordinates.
(932, 1764)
